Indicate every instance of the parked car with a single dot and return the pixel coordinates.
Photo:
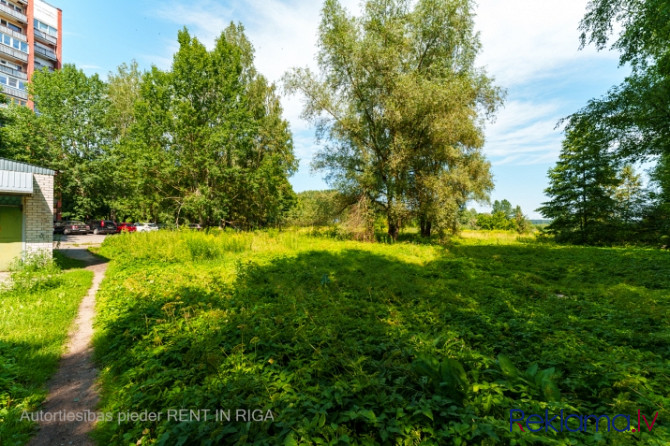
(125, 227)
(195, 227)
(146, 227)
(102, 226)
(58, 227)
(71, 227)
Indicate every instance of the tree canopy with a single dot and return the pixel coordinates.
(202, 142)
(400, 104)
(631, 120)
(209, 143)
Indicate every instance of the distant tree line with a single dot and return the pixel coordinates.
(503, 217)
(331, 208)
(595, 194)
(201, 142)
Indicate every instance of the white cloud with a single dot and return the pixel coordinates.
(526, 39)
(524, 133)
(523, 41)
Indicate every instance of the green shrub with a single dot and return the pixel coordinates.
(35, 271)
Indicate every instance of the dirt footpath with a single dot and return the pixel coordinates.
(72, 390)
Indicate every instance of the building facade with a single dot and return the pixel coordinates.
(30, 40)
(26, 210)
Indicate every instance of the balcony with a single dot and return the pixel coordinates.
(44, 37)
(11, 52)
(49, 54)
(12, 72)
(11, 32)
(9, 12)
(38, 67)
(14, 92)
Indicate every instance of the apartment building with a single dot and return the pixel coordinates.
(30, 40)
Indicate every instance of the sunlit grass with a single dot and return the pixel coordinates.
(33, 329)
(340, 337)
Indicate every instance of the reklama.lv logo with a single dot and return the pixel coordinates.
(559, 422)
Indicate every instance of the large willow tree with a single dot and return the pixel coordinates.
(208, 143)
(401, 105)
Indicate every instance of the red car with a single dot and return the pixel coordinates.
(125, 227)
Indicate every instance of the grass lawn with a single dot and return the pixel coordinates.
(33, 329)
(354, 343)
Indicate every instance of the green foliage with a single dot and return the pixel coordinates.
(317, 208)
(35, 316)
(581, 189)
(657, 216)
(632, 117)
(495, 222)
(36, 271)
(400, 101)
(207, 142)
(203, 142)
(502, 218)
(363, 343)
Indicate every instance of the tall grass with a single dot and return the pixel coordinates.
(35, 316)
(376, 343)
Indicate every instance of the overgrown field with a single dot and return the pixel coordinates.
(35, 316)
(353, 343)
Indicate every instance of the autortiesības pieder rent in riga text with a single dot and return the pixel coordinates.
(170, 415)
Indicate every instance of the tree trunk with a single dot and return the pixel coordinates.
(394, 228)
(426, 226)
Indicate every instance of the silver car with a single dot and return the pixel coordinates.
(146, 227)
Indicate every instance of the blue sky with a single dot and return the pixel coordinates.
(529, 46)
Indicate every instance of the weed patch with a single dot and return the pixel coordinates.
(362, 343)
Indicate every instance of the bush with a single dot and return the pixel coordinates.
(35, 271)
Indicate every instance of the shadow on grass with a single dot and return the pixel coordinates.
(74, 258)
(337, 334)
(24, 370)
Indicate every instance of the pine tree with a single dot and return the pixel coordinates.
(581, 189)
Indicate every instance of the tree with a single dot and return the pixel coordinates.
(520, 220)
(208, 142)
(657, 218)
(503, 217)
(123, 92)
(629, 196)
(317, 208)
(633, 117)
(505, 207)
(399, 102)
(69, 135)
(581, 189)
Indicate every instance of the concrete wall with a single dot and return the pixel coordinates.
(38, 213)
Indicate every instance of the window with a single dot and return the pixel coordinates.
(12, 6)
(45, 28)
(17, 101)
(12, 82)
(10, 25)
(14, 43)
